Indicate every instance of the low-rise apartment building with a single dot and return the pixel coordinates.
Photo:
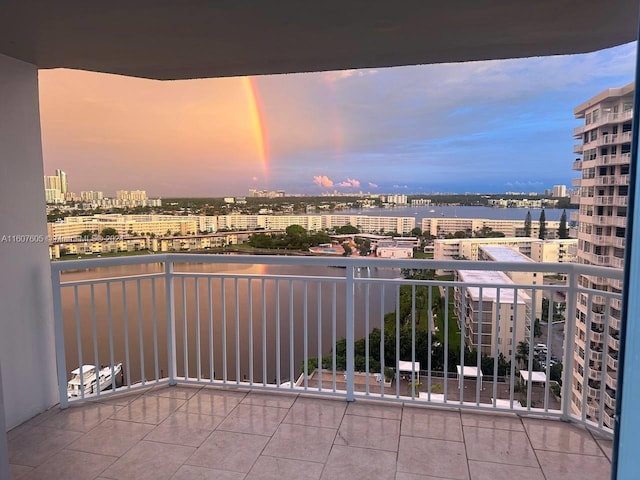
(439, 227)
(484, 311)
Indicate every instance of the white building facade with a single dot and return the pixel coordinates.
(605, 145)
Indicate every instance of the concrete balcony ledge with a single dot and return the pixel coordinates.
(186, 432)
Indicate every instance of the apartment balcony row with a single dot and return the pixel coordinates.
(605, 180)
(604, 139)
(611, 379)
(609, 118)
(619, 159)
(603, 220)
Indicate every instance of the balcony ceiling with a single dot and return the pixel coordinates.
(167, 39)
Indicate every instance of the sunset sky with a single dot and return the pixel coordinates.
(484, 126)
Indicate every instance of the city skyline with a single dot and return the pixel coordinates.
(404, 129)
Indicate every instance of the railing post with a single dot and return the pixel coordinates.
(350, 318)
(171, 321)
(61, 362)
(568, 347)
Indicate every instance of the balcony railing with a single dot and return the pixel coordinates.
(325, 326)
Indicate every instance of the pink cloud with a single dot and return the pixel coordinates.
(323, 181)
(373, 185)
(350, 182)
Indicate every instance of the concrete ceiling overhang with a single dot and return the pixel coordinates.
(178, 39)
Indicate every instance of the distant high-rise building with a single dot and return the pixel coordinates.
(559, 191)
(605, 146)
(64, 188)
(52, 182)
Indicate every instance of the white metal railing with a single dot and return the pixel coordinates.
(327, 326)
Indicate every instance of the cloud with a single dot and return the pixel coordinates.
(323, 181)
(401, 186)
(350, 182)
(373, 185)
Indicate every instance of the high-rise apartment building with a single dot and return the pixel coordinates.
(64, 187)
(605, 145)
(559, 191)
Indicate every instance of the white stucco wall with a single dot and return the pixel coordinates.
(26, 314)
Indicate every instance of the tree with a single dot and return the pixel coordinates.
(527, 225)
(347, 249)
(563, 232)
(108, 232)
(522, 353)
(86, 234)
(542, 232)
(295, 230)
(347, 230)
(416, 232)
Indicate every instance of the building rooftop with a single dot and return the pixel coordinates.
(502, 253)
(187, 432)
(490, 294)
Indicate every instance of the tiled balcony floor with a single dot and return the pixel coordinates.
(205, 433)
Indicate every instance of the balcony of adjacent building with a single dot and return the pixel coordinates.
(619, 159)
(577, 165)
(241, 366)
(605, 180)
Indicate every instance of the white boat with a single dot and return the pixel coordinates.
(93, 380)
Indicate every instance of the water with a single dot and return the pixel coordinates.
(266, 317)
(419, 213)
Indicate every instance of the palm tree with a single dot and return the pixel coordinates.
(522, 353)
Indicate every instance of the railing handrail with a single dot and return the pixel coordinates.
(358, 262)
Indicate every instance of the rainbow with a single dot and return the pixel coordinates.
(257, 120)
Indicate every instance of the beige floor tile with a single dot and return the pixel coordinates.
(563, 466)
(184, 428)
(439, 458)
(271, 468)
(213, 402)
(18, 471)
(120, 399)
(560, 437)
(112, 437)
(355, 463)
(420, 422)
(487, 420)
(184, 392)
(38, 419)
(499, 446)
(316, 412)
(369, 432)
(71, 464)
(17, 431)
(301, 442)
(255, 419)
(498, 471)
(190, 472)
(279, 400)
(229, 451)
(370, 409)
(81, 418)
(148, 409)
(149, 461)
(39, 443)
(414, 476)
